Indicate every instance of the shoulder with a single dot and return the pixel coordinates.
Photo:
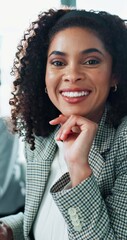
(43, 145)
(120, 141)
(30, 154)
(122, 129)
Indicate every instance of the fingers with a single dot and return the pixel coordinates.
(59, 120)
(76, 125)
(73, 125)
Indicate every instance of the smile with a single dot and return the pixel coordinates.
(75, 94)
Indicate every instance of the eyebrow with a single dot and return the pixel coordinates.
(57, 53)
(91, 50)
(86, 51)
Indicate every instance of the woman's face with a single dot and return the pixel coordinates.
(78, 73)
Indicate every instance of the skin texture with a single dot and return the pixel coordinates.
(5, 232)
(78, 64)
(71, 69)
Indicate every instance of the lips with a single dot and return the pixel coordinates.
(75, 94)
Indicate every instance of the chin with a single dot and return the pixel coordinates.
(69, 113)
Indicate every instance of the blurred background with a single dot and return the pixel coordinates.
(16, 16)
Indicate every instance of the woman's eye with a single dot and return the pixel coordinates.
(58, 63)
(92, 62)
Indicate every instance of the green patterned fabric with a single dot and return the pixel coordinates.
(95, 209)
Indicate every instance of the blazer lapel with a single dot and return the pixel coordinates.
(38, 169)
(101, 145)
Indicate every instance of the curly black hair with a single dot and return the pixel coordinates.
(31, 108)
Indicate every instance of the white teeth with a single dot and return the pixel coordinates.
(75, 94)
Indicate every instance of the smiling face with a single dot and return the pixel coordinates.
(78, 73)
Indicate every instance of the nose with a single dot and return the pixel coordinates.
(73, 74)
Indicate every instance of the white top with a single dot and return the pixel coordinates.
(50, 224)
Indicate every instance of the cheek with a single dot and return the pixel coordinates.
(50, 84)
(50, 78)
(47, 77)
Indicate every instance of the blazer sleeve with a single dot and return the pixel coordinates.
(15, 222)
(87, 213)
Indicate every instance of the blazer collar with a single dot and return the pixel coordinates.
(104, 136)
(101, 145)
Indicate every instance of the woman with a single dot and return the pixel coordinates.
(70, 103)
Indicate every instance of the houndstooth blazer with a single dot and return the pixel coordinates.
(96, 209)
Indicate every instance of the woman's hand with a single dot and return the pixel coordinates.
(5, 232)
(77, 133)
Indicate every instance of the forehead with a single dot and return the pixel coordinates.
(76, 37)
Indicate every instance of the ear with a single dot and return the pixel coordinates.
(114, 80)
